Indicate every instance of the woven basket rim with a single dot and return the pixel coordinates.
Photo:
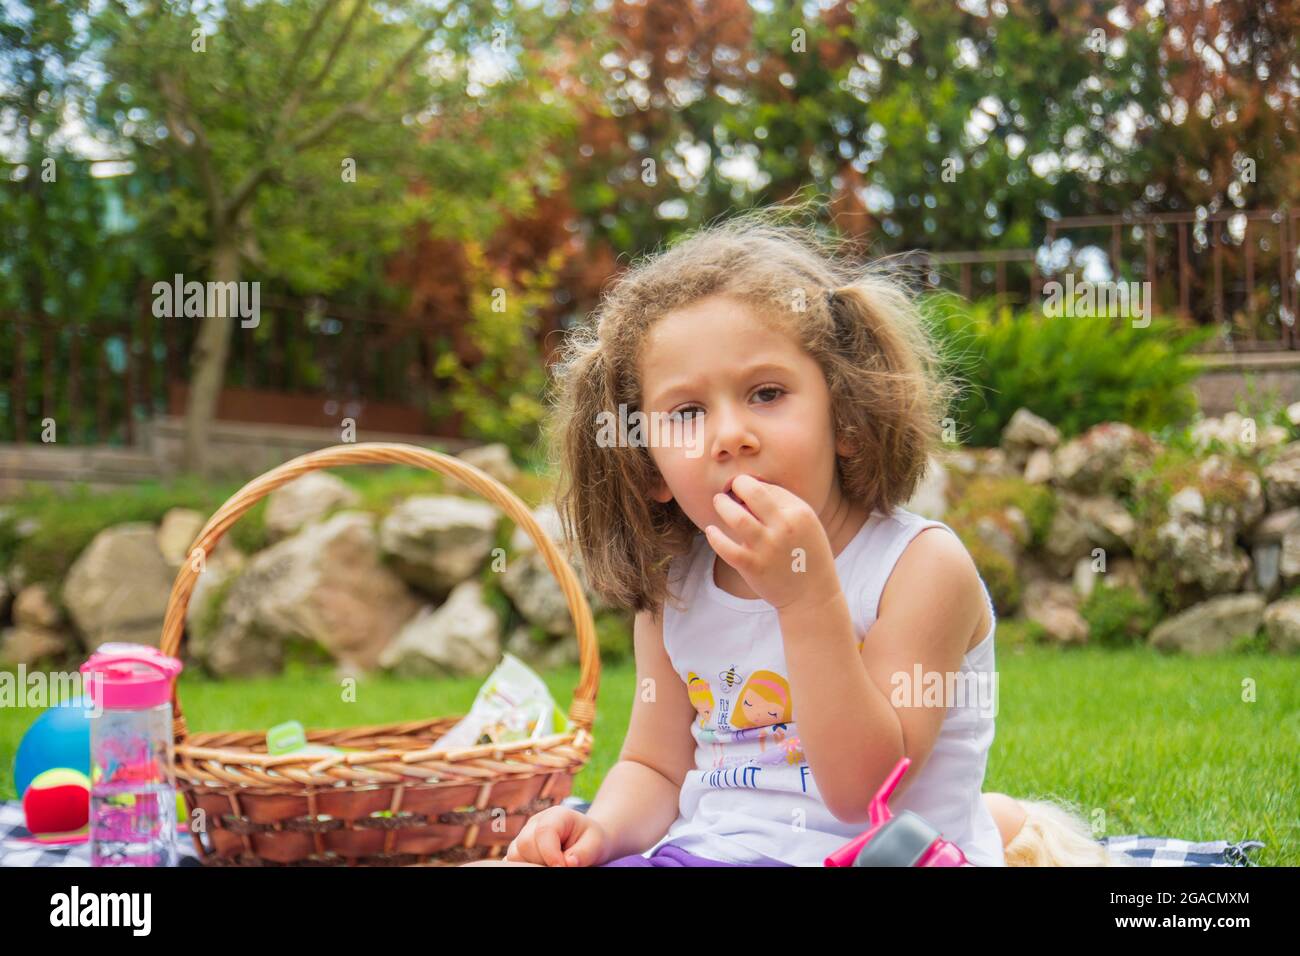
(582, 709)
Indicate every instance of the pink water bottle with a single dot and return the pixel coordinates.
(903, 840)
(132, 783)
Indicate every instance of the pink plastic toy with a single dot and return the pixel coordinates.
(903, 840)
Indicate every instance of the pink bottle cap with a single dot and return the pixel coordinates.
(132, 676)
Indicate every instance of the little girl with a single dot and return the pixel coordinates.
(797, 632)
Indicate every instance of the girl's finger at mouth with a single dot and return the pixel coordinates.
(724, 502)
(732, 509)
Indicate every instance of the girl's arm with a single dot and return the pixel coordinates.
(851, 732)
(637, 801)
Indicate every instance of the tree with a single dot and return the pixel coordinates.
(297, 129)
(67, 261)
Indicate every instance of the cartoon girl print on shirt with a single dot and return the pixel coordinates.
(763, 701)
(701, 695)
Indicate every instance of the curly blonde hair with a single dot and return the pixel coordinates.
(859, 322)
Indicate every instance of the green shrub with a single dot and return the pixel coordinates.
(208, 620)
(1268, 408)
(382, 487)
(1118, 616)
(614, 636)
(998, 573)
(304, 656)
(979, 495)
(500, 397)
(1018, 632)
(66, 521)
(1075, 372)
(1257, 643)
(496, 599)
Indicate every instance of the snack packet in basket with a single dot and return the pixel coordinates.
(513, 704)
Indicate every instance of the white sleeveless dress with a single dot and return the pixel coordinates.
(751, 797)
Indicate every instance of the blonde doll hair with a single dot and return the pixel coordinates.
(1055, 835)
(859, 322)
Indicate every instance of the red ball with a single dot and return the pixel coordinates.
(58, 801)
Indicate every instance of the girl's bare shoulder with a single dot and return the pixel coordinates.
(936, 570)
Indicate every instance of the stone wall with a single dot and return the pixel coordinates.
(239, 451)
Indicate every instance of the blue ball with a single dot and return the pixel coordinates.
(60, 737)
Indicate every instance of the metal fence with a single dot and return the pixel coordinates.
(1235, 269)
(98, 379)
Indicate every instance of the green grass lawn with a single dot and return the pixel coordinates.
(1163, 745)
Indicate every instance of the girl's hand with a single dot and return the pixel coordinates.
(778, 546)
(559, 836)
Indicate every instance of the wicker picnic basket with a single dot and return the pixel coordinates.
(393, 800)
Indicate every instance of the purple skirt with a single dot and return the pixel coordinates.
(669, 855)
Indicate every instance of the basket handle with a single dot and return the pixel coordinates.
(583, 710)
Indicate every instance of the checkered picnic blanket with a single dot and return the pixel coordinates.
(18, 848)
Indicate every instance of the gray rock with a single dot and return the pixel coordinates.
(1236, 434)
(1025, 433)
(531, 587)
(437, 541)
(1123, 573)
(176, 533)
(1084, 578)
(960, 460)
(1282, 478)
(1038, 468)
(462, 637)
(118, 587)
(1187, 503)
(1282, 622)
(1008, 537)
(1120, 572)
(1103, 459)
(978, 461)
(226, 562)
(543, 655)
(1067, 539)
(1275, 550)
(1056, 607)
(493, 459)
(324, 586)
(1107, 523)
(1202, 556)
(1248, 504)
(28, 645)
(1082, 524)
(34, 607)
(521, 545)
(993, 463)
(521, 542)
(304, 500)
(1211, 626)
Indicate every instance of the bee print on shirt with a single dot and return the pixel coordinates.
(729, 678)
